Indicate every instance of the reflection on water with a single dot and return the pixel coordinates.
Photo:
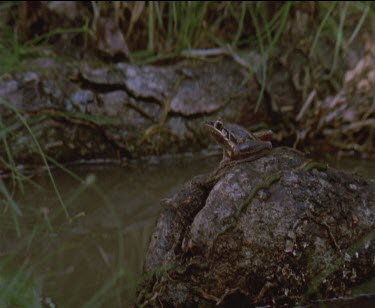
(100, 252)
(364, 167)
(96, 258)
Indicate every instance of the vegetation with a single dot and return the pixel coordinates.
(158, 30)
(150, 32)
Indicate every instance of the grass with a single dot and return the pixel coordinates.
(175, 26)
(17, 288)
(40, 151)
(34, 224)
(13, 50)
(36, 233)
(158, 31)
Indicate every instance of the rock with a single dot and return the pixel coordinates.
(280, 229)
(121, 110)
(80, 100)
(205, 90)
(147, 82)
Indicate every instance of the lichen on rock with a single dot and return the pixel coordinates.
(280, 229)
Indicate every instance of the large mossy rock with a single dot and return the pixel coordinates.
(279, 229)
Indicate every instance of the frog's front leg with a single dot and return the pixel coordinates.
(226, 157)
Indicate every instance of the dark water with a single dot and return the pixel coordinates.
(96, 258)
(364, 167)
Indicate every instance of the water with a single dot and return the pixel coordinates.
(364, 167)
(97, 257)
(102, 249)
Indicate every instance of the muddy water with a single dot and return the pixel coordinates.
(364, 167)
(96, 258)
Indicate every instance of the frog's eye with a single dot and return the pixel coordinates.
(218, 124)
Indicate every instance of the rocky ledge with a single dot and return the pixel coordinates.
(279, 229)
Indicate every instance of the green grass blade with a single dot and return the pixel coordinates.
(240, 24)
(321, 26)
(263, 55)
(339, 38)
(359, 24)
(16, 179)
(46, 36)
(285, 13)
(16, 212)
(151, 26)
(41, 153)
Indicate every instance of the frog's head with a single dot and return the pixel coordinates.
(218, 124)
(216, 127)
(218, 131)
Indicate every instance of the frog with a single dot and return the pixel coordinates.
(238, 143)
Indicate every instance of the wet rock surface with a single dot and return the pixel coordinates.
(82, 111)
(94, 110)
(280, 229)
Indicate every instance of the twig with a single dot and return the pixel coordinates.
(306, 105)
(204, 52)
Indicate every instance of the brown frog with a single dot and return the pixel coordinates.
(238, 143)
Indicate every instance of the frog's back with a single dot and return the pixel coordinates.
(240, 133)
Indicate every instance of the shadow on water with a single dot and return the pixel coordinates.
(96, 259)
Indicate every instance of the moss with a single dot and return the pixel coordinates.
(264, 185)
